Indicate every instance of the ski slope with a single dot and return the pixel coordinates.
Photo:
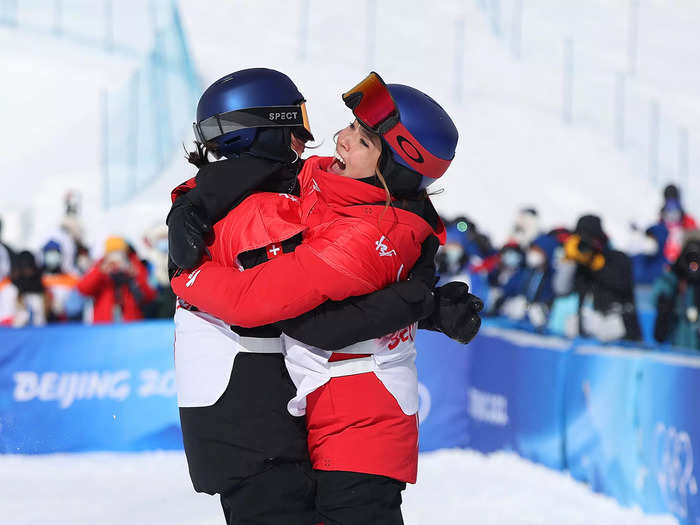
(455, 487)
(513, 149)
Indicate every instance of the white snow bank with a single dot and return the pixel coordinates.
(454, 487)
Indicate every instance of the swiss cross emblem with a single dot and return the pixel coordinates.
(273, 250)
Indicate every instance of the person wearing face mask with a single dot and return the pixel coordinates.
(676, 221)
(529, 293)
(118, 283)
(509, 264)
(156, 241)
(677, 297)
(23, 296)
(64, 301)
(602, 279)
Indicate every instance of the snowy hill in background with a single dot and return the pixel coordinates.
(514, 150)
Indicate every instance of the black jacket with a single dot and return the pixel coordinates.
(612, 287)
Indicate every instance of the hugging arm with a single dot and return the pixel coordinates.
(341, 264)
(208, 197)
(335, 325)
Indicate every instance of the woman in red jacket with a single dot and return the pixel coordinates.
(363, 215)
(118, 283)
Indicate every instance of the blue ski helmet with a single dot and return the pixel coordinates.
(430, 124)
(417, 132)
(232, 110)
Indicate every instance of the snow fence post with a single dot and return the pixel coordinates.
(568, 85)
(133, 130)
(371, 31)
(683, 167)
(495, 13)
(654, 140)
(57, 17)
(620, 110)
(304, 14)
(104, 121)
(632, 32)
(516, 31)
(459, 57)
(109, 25)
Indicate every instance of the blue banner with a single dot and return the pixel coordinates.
(443, 370)
(77, 388)
(600, 423)
(514, 394)
(669, 440)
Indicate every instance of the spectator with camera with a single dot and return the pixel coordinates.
(677, 297)
(602, 280)
(118, 283)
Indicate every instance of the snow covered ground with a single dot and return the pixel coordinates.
(455, 487)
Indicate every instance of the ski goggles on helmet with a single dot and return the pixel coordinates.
(260, 117)
(374, 107)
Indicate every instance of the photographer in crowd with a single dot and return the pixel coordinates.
(118, 283)
(602, 279)
(677, 297)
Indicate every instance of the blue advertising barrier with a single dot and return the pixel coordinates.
(514, 402)
(621, 419)
(667, 403)
(78, 388)
(443, 369)
(600, 423)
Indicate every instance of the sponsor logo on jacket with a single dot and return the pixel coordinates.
(192, 278)
(383, 249)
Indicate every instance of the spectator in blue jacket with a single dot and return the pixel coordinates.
(648, 258)
(529, 293)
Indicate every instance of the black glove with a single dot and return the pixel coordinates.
(456, 313)
(424, 268)
(189, 232)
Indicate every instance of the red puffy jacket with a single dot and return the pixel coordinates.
(352, 245)
(100, 286)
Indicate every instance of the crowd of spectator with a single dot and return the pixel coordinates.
(63, 283)
(572, 282)
(567, 281)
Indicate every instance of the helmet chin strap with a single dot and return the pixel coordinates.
(273, 144)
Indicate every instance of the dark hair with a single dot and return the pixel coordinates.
(200, 156)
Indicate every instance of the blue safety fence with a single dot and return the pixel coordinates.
(144, 115)
(145, 119)
(619, 418)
